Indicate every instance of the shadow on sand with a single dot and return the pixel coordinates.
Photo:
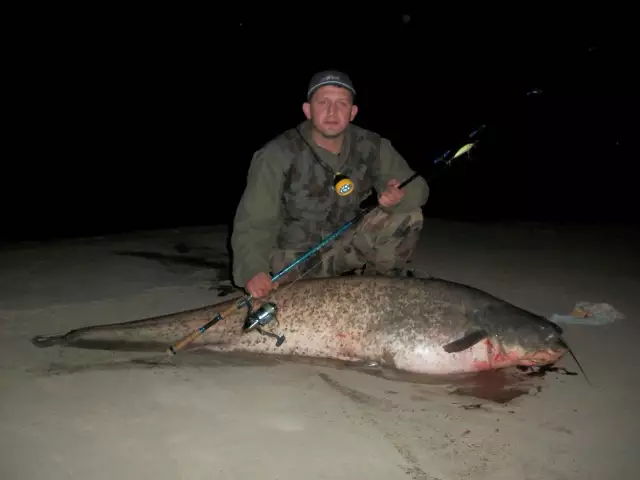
(499, 387)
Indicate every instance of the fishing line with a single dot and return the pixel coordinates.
(300, 276)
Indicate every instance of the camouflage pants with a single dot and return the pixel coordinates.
(381, 244)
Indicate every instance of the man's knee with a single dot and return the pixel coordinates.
(383, 225)
(382, 238)
(390, 239)
(406, 224)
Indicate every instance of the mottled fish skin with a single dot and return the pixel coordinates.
(401, 322)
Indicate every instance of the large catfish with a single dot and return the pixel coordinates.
(419, 325)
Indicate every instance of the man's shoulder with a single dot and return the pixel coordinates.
(284, 142)
(279, 151)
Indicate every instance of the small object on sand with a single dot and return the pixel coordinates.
(585, 313)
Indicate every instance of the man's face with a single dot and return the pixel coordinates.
(330, 109)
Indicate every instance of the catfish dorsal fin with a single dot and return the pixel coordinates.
(468, 341)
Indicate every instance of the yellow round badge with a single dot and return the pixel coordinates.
(343, 185)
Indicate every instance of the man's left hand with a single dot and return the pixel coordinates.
(392, 195)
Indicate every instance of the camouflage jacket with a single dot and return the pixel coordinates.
(290, 202)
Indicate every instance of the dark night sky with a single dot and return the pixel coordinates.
(149, 124)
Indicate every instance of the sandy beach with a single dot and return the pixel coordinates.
(79, 414)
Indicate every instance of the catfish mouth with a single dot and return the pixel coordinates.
(545, 356)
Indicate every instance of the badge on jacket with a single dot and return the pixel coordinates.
(342, 184)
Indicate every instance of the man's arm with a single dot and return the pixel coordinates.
(258, 215)
(393, 165)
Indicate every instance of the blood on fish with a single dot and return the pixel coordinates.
(500, 358)
(496, 357)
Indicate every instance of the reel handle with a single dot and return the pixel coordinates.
(279, 338)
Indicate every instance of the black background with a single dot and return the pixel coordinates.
(130, 120)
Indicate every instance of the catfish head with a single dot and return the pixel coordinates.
(514, 337)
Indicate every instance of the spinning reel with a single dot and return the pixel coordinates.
(261, 317)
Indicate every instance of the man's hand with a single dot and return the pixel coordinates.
(260, 285)
(392, 195)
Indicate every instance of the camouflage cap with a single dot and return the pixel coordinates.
(330, 77)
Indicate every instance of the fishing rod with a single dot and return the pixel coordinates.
(265, 314)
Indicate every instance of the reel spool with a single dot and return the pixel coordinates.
(261, 317)
(342, 184)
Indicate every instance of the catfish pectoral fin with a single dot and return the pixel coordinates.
(468, 341)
